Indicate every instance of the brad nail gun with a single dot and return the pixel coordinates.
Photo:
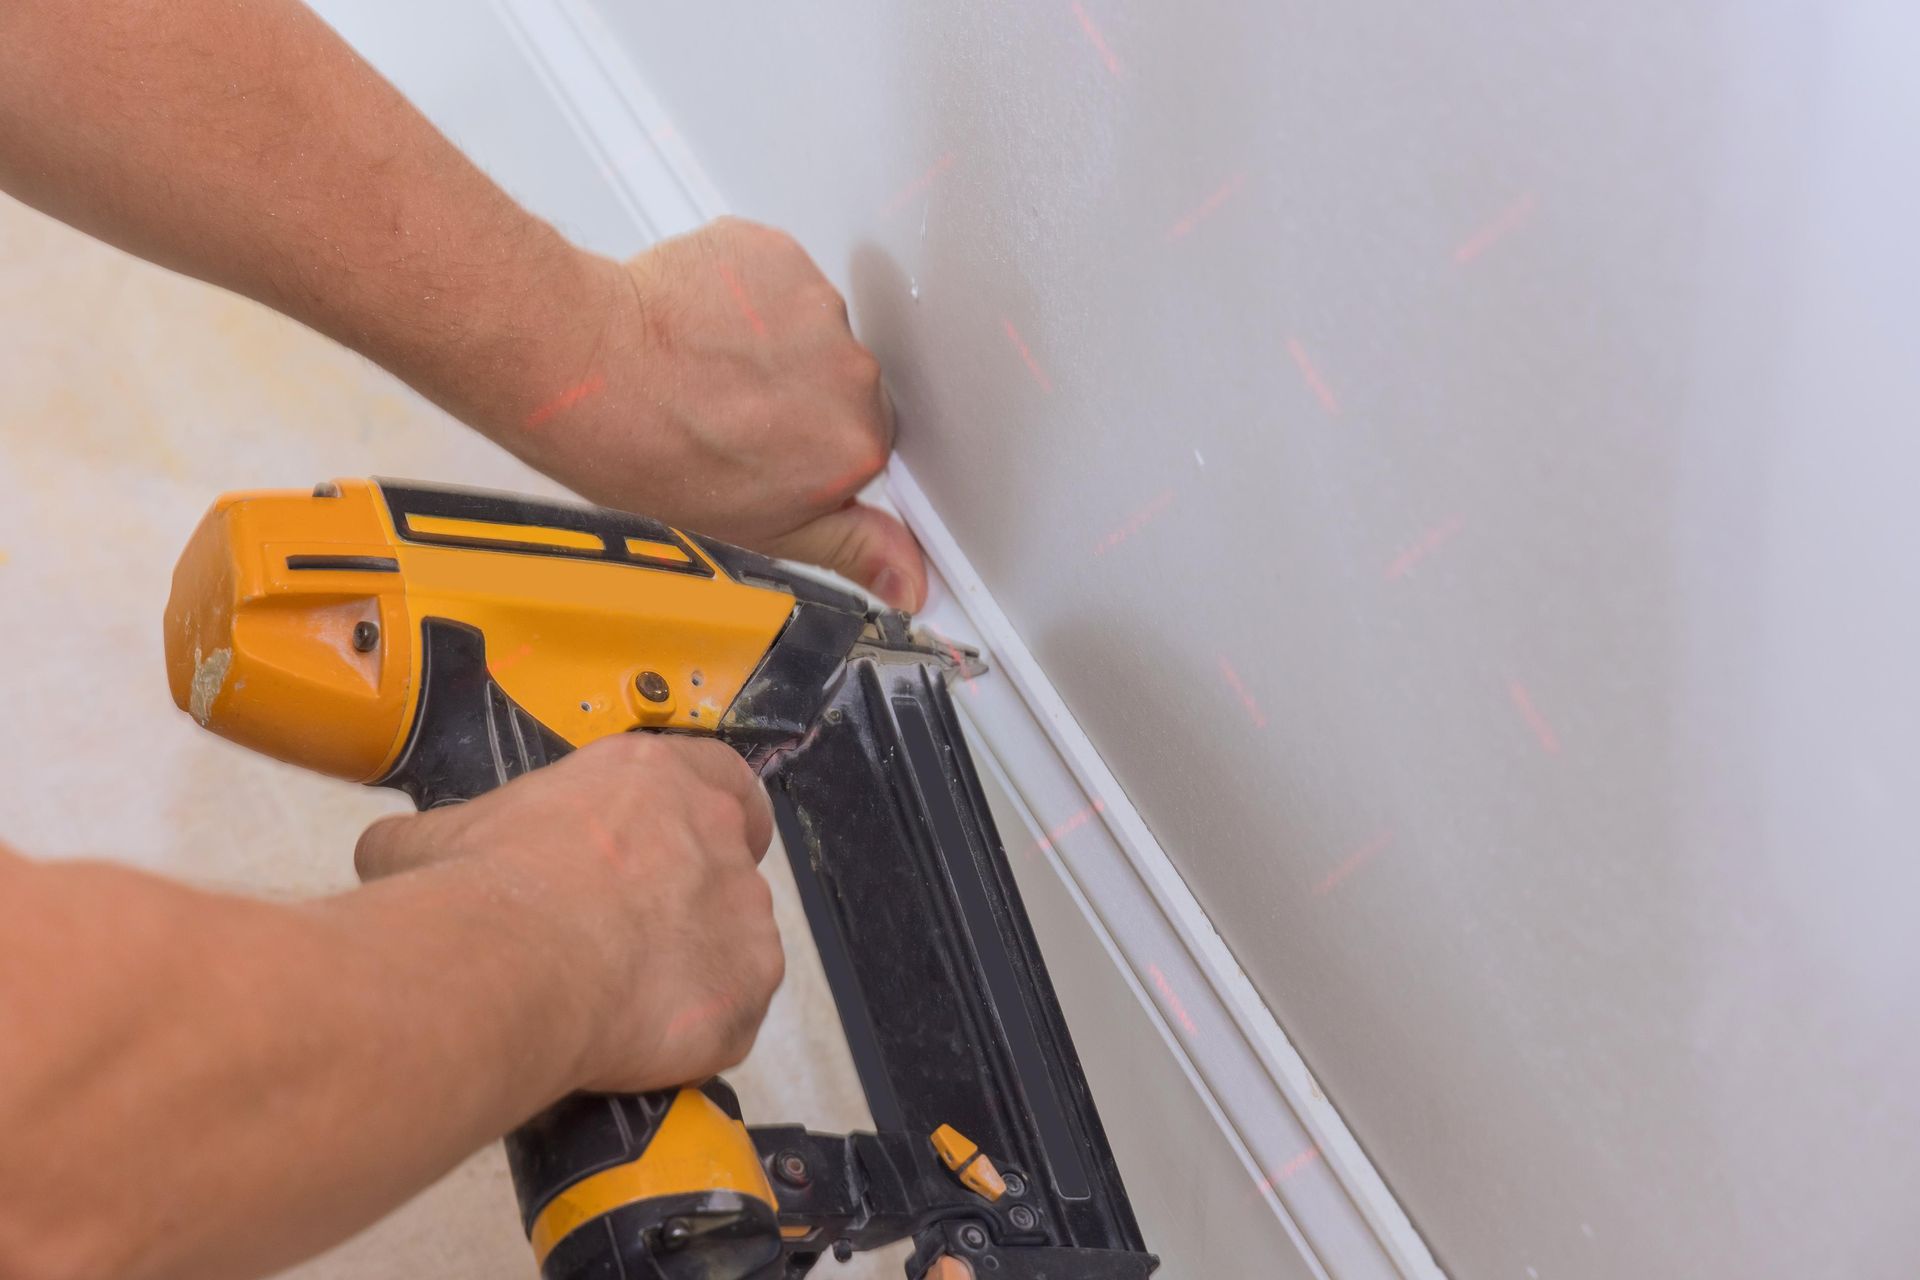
(444, 641)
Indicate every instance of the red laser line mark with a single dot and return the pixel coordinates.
(689, 1018)
(1195, 217)
(1071, 825)
(854, 479)
(1289, 1169)
(1165, 989)
(567, 399)
(1504, 223)
(1033, 366)
(953, 651)
(918, 185)
(1549, 740)
(1353, 862)
(1135, 523)
(1099, 41)
(1431, 541)
(1240, 691)
(510, 661)
(740, 299)
(602, 839)
(1315, 383)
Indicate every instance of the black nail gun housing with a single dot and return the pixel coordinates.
(946, 1002)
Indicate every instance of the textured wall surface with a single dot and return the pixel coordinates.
(1456, 461)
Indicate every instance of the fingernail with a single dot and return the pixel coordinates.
(894, 587)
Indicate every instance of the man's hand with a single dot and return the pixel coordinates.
(597, 924)
(641, 852)
(729, 395)
(712, 382)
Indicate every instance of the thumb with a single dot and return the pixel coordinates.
(404, 841)
(865, 544)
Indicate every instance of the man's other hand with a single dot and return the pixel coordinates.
(728, 394)
(638, 856)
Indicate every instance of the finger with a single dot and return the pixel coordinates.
(867, 545)
(759, 822)
(402, 842)
(721, 766)
(887, 418)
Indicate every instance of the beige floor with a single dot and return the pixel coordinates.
(131, 397)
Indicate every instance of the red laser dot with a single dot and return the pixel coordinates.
(1138, 521)
(1431, 541)
(1504, 223)
(1099, 41)
(567, 399)
(1033, 366)
(1353, 862)
(918, 185)
(1207, 207)
(740, 299)
(1315, 383)
(1523, 702)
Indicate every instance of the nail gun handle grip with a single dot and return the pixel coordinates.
(572, 1142)
(468, 737)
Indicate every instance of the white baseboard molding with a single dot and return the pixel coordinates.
(1298, 1154)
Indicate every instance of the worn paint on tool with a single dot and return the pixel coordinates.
(209, 676)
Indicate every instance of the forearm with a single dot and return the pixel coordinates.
(243, 142)
(194, 1084)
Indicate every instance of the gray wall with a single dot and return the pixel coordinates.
(1457, 462)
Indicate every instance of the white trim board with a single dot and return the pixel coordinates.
(1295, 1148)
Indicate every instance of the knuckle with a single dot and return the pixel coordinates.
(619, 748)
(774, 967)
(373, 851)
(721, 815)
(757, 902)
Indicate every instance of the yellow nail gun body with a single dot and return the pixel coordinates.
(445, 641)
